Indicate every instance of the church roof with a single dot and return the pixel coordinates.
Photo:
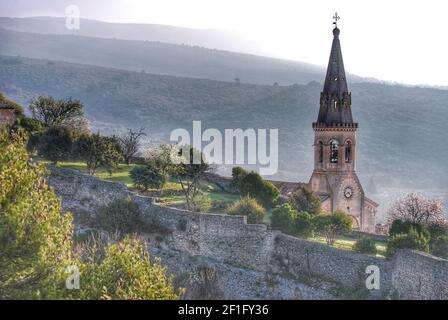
(335, 104)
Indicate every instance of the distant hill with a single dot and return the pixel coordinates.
(160, 58)
(401, 146)
(208, 38)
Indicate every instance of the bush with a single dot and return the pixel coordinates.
(125, 271)
(248, 207)
(365, 245)
(56, 144)
(304, 226)
(439, 247)
(253, 185)
(412, 240)
(403, 227)
(238, 174)
(333, 225)
(201, 203)
(122, 215)
(306, 200)
(283, 218)
(145, 177)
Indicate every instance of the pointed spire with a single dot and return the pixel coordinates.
(335, 104)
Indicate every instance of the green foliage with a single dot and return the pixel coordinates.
(98, 151)
(365, 245)
(124, 271)
(121, 215)
(51, 112)
(56, 144)
(35, 240)
(146, 177)
(333, 225)
(413, 240)
(283, 218)
(304, 225)
(238, 173)
(401, 227)
(11, 103)
(306, 200)
(30, 125)
(289, 221)
(253, 185)
(201, 203)
(439, 246)
(189, 171)
(248, 207)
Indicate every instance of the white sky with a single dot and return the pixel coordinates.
(394, 40)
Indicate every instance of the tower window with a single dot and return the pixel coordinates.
(321, 152)
(334, 151)
(348, 152)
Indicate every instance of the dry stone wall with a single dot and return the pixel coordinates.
(230, 241)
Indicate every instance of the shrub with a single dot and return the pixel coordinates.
(306, 200)
(145, 177)
(402, 227)
(248, 207)
(56, 144)
(283, 218)
(333, 225)
(201, 203)
(121, 215)
(439, 247)
(365, 245)
(304, 226)
(238, 174)
(412, 240)
(125, 271)
(253, 185)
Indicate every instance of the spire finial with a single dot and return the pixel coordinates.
(336, 17)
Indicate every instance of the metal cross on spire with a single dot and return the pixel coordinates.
(336, 18)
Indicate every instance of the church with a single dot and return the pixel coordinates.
(334, 177)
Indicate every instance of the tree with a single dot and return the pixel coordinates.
(412, 240)
(252, 184)
(190, 174)
(304, 226)
(417, 208)
(98, 151)
(283, 218)
(130, 144)
(306, 200)
(333, 225)
(51, 112)
(146, 177)
(35, 239)
(248, 207)
(125, 271)
(56, 144)
(402, 227)
(365, 245)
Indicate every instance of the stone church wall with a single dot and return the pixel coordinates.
(229, 240)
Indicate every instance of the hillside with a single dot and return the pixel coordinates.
(159, 58)
(208, 38)
(399, 126)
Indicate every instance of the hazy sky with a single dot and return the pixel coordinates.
(395, 40)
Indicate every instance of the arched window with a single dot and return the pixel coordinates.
(348, 152)
(334, 151)
(321, 152)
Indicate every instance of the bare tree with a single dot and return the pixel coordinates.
(130, 144)
(416, 208)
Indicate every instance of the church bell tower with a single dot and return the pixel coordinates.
(334, 177)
